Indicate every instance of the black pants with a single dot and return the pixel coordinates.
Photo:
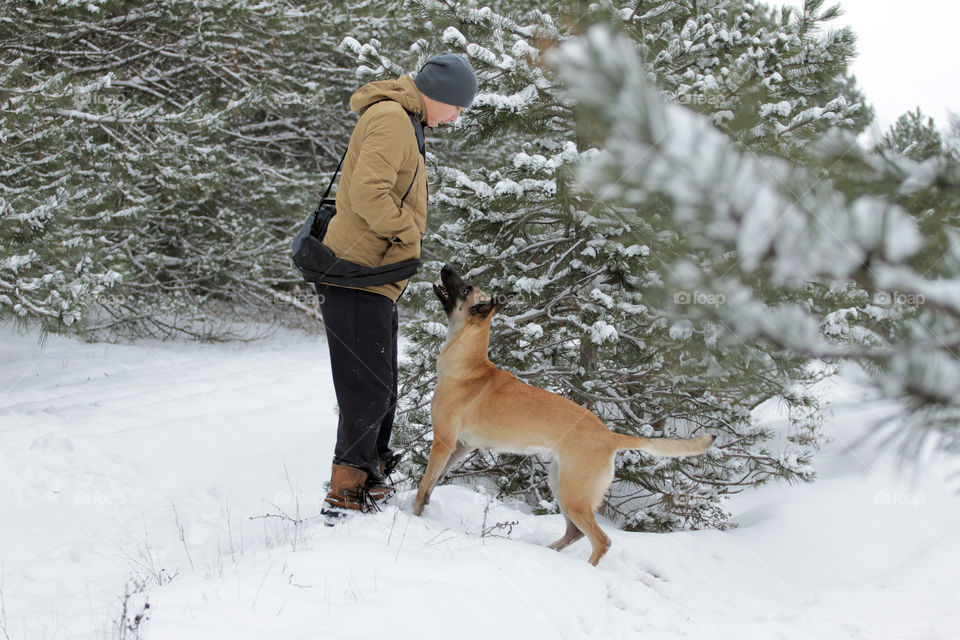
(362, 334)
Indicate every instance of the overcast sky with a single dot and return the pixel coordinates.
(909, 55)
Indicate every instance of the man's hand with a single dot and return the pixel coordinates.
(409, 235)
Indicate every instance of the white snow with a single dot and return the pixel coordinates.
(781, 108)
(681, 329)
(533, 163)
(516, 103)
(602, 332)
(522, 49)
(532, 331)
(452, 36)
(918, 290)
(602, 298)
(109, 450)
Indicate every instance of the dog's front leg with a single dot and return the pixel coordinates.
(440, 453)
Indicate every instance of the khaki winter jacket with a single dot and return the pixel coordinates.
(382, 161)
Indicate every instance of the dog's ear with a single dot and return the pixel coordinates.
(497, 302)
(482, 309)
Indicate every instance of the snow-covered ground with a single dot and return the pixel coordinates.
(137, 468)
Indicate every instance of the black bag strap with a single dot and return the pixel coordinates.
(407, 192)
(323, 200)
(333, 178)
(418, 129)
(421, 146)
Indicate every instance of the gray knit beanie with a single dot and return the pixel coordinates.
(448, 78)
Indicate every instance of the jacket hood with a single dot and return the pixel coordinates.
(402, 90)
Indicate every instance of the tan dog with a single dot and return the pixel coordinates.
(478, 406)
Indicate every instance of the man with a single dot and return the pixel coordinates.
(381, 216)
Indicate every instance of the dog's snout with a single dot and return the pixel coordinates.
(450, 278)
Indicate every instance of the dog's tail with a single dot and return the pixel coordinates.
(666, 447)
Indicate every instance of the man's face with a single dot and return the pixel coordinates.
(441, 112)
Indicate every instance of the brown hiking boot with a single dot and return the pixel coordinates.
(347, 489)
(379, 486)
(390, 462)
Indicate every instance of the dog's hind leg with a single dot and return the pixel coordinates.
(443, 455)
(585, 521)
(572, 535)
(581, 488)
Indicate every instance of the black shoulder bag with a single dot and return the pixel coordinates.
(319, 265)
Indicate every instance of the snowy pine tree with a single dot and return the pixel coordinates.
(594, 277)
(914, 137)
(875, 224)
(157, 157)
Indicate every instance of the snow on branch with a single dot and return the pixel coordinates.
(765, 207)
(786, 226)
